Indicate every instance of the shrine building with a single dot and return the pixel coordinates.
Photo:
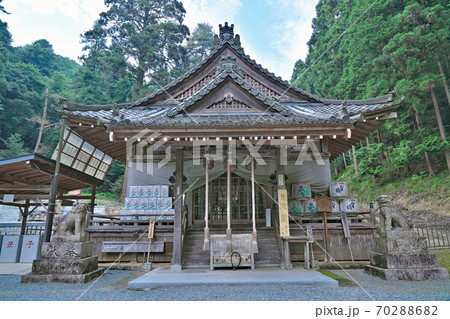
(217, 158)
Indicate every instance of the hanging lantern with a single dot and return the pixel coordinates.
(249, 165)
(211, 164)
(172, 178)
(233, 168)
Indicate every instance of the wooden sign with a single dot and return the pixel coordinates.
(151, 227)
(283, 212)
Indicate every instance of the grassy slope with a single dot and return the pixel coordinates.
(412, 193)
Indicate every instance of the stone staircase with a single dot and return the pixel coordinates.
(194, 255)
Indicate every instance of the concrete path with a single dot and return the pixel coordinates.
(15, 268)
(164, 276)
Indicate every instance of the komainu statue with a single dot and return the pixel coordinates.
(71, 226)
(390, 217)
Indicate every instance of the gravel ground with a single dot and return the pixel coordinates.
(113, 286)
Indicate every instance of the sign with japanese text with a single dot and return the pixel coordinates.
(10, 249)
(31, 247)
(283, 212)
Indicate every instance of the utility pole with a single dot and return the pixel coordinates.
(44, 116)
(54, 188)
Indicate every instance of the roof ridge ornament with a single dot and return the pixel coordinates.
(226, 34)
(228, 65)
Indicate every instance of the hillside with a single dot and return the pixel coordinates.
(423, 199)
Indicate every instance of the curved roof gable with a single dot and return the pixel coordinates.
(227, 44)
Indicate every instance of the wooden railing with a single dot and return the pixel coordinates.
(356, 220)
(114, 223)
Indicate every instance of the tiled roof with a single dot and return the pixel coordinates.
(215, 49)
(301, 113)
(229, 72)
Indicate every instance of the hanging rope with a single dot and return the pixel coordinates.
(254, 245)
(206, 239)
(228, 234)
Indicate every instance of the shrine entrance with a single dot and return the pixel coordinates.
(241, 202)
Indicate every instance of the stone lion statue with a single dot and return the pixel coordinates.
(71, 226)
(390, 217)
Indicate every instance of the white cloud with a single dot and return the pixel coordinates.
(214, 12)
(71, 8)
(291, 30)
(31, 20)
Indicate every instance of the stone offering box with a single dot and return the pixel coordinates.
(241, 243)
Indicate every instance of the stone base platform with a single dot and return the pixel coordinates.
(65, 266)
(64, 262)
(62, 278)
(403, 255)
(407, 273)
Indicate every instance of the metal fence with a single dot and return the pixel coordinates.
(437, 236)
(13, 228)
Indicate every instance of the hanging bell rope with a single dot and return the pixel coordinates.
(206, 239)
(228, 233)
(254, 245)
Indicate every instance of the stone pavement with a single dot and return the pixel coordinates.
(15, 268)
(164, 276)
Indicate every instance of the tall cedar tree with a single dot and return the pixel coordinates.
(357, 53)
(149, 34)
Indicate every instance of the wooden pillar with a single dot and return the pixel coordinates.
(355, 162)
(24, 213)
(345, 161)
(176, 258)
(94, 190)
(367, 141)
(190, 208)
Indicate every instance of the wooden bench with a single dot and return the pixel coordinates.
(308, 239)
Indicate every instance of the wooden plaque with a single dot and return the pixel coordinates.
(151, 227)
(283, 212)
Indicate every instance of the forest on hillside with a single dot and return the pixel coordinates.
(358, 49)
(362, 49)
(129, 52)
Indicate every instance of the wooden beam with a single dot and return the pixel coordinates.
(41, 188)
(11, 179)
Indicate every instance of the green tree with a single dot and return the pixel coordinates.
(149, 35)
(200, 43)
(13, 146)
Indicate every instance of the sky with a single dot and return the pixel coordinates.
(273, 32)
